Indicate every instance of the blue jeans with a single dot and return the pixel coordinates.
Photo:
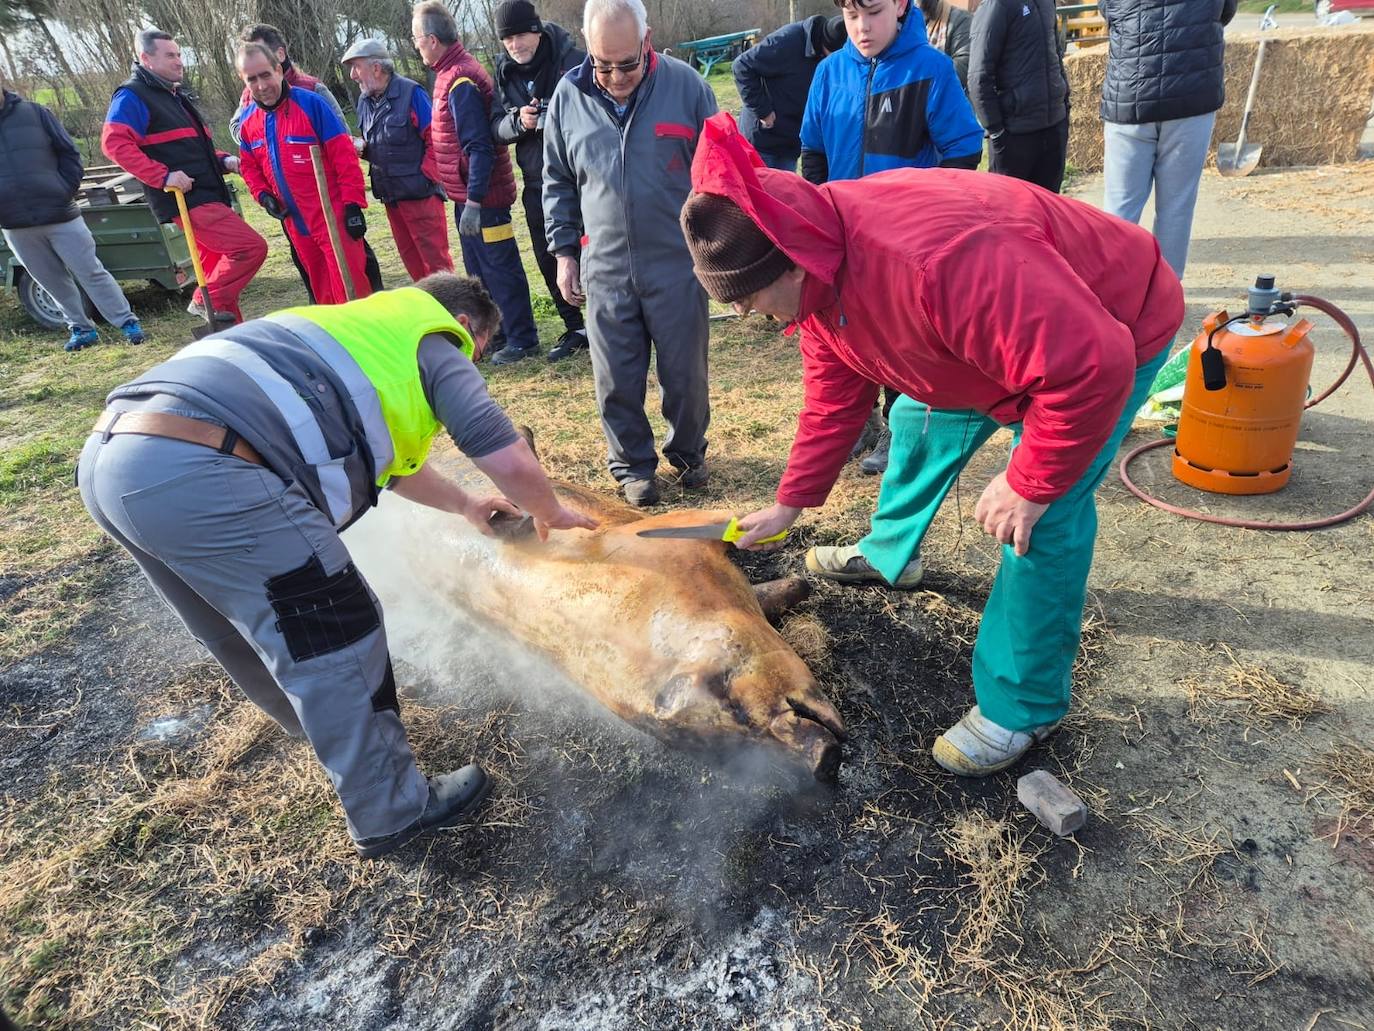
(1168, 157)
(785, 161)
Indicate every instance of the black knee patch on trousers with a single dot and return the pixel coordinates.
(318, 613)
(384, 697)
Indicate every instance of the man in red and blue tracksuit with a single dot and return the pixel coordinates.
(275, 141)
(155, 133)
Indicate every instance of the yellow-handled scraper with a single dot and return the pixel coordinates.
(728, 532)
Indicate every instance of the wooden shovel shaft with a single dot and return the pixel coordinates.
(322, 186)
(1250, 98)
(191, 246)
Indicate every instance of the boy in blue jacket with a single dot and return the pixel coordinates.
(887, 99)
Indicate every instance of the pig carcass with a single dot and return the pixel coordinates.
(666, 633)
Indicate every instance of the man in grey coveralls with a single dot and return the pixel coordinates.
(228, 471)
(619, 137)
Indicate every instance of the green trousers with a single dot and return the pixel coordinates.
(1031, 624)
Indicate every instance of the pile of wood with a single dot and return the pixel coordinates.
(1314, 96)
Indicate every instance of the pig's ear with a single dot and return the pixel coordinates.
(778, 597)
(528, 435)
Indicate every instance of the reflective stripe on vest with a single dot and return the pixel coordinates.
(304, 428)
(381, 335)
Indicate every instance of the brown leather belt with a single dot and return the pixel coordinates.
(178, 427)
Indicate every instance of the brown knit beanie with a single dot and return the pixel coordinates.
(730, 254)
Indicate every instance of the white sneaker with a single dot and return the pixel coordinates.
(847, 565)
(975, 746)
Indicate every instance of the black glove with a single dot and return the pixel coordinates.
(354, 223)
(272, 206)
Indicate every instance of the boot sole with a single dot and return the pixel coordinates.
(875, 578)
(416, 829)
(956, 762)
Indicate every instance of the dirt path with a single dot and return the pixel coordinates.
(1225, 879)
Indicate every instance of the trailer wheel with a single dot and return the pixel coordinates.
(41, 306)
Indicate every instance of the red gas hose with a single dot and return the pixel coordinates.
(1357, 353)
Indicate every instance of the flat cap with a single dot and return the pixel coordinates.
(366, 48)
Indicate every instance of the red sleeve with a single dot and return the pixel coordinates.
(341, 159)
(836, 406)
(250, 167)
(1040, 332)
(120, 144)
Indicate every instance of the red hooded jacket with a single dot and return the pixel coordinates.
(960, 289)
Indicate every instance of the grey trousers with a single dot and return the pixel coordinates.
(54, 254)
(260, 577)
(622, 325)
(1168, 157)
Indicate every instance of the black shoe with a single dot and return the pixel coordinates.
(510, 355)
(572, 340)
(694, 477)
(876, 461)
(451, 797)
(641, 493)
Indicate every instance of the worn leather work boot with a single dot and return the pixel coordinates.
(875, 461)
(452, 796)
(641, 493)
(694, 477)
(976, 747)
(572, 340)
(847, 565)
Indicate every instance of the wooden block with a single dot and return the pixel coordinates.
(1050, 802)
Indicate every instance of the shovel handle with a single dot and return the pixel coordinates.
(190, 237)
(1250, 96)
(332, 224)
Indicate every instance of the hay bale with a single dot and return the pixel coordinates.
(1311, 107)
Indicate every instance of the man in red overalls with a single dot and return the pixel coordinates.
(275, 142)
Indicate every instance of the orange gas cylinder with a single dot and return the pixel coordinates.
(1237, 437)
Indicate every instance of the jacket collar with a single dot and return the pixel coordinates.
(146, 77)
(452, 56)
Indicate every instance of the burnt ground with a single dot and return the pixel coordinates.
(175, 862)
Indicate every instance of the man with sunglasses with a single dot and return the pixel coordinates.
(619, 137)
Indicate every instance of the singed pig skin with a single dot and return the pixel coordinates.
(666, 633)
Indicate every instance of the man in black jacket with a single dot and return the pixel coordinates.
(537, 54)
(1019, 90)
(1163, 87)
(774, 79)
(40, 174)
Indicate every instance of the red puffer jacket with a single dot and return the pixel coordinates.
(274, 153)
(960, 289)
(455, 66)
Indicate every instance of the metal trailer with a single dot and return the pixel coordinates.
(129, 241)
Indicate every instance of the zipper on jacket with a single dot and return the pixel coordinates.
(863, 138)
(269, 124)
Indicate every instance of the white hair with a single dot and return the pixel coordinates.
(609, 10)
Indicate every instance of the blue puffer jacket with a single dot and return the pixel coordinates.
(903, 109)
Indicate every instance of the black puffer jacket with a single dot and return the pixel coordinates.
(1164, 59)
(1016, 75)
(517, 85)
(40, 167)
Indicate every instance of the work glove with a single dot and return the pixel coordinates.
(470, 221)
(354, 223)
(272, 206)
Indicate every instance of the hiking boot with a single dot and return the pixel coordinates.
(81, 338)
(975, 746)
(572, 340)
(133, 332)
(451, 797)
(848, 566)
(641, 493)
(510, 355)
(876, 461)
(694, 477)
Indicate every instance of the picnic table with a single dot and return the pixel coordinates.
(705, 54)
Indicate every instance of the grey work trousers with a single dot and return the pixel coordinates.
(622, 324)
(260, 577)
(54, 254)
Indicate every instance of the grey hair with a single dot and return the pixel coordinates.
(386, 64)
(146, 40)
(609, 10)
(437, 20)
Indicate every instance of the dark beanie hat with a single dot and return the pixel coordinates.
(516, 16)
(731, 255)
(833, 33)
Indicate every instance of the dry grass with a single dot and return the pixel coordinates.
(1348, 790)
(999, 865)
(809, 638)
(1251, 695)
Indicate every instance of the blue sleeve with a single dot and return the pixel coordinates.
(127, 108)
(776, 55)
(953, 128)
(323, 120)
(469, 113)
(811, 136)
(421, 108)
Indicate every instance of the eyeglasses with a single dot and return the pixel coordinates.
(624, 67)
(417, 40)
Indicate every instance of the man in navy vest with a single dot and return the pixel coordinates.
(394, 119)
(154, 132)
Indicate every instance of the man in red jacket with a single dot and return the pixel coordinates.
(274, 148)
(993, 303)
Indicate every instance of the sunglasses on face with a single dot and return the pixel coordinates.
(624, 67)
